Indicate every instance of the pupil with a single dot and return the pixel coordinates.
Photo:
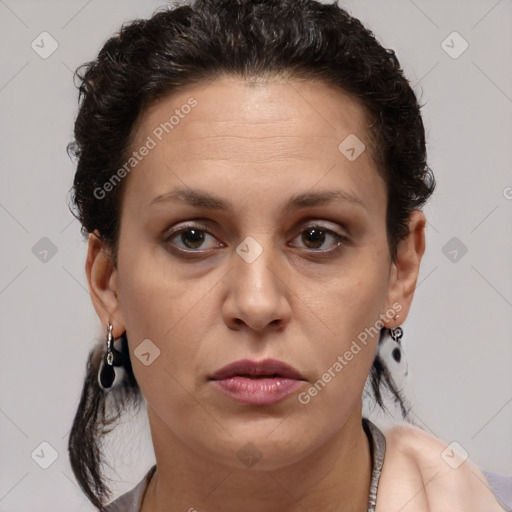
(197, 238)
(314, 235)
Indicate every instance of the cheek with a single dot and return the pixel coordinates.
(343, 352)
(160, 307)
(156, 298)
(343, 326)
(351, 303)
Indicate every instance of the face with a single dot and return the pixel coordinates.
(260, 268)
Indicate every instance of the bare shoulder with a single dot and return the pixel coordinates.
(423, 474)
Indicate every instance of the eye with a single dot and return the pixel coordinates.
(315, 236)
(192, 237)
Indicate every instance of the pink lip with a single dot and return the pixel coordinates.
(266, 367)
(257, 391)
(257, 382)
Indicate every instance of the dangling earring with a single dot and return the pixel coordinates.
(391, 352)
(397, 334)
(108, 376)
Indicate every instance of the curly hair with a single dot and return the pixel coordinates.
(195, 43)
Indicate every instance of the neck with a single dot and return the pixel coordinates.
(335, 476)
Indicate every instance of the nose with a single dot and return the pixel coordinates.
(257, 293)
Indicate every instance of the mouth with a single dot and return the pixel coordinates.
(248, 376)
(267, 368)
(257, 382)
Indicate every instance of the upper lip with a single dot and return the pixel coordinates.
(270, 367)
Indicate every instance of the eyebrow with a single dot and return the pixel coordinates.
(203, 199)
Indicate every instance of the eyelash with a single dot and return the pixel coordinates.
(341, 240)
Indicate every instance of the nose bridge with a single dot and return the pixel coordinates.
(256, 294)
(256, 262)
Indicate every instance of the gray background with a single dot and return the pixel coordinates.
(457, 337)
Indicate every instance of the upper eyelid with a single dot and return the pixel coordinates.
(193, 224)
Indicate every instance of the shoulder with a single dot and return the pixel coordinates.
(423, 474)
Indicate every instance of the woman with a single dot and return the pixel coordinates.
(250, 177)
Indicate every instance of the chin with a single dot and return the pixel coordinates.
(265, 450)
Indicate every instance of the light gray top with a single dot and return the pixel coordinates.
(132, 500)
(500, 485)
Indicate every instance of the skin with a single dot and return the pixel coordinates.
(255, 145)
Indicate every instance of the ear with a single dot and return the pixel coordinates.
(102, 279)
(404, 272)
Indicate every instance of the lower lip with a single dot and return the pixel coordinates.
(265, 391)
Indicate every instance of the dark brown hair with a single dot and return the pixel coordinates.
(195, 43)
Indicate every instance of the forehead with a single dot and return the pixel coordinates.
(276, 133)
(234, 106)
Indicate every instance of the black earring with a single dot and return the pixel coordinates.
(392, 57)
(108, 376)
(391, 353)
(397, 334)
